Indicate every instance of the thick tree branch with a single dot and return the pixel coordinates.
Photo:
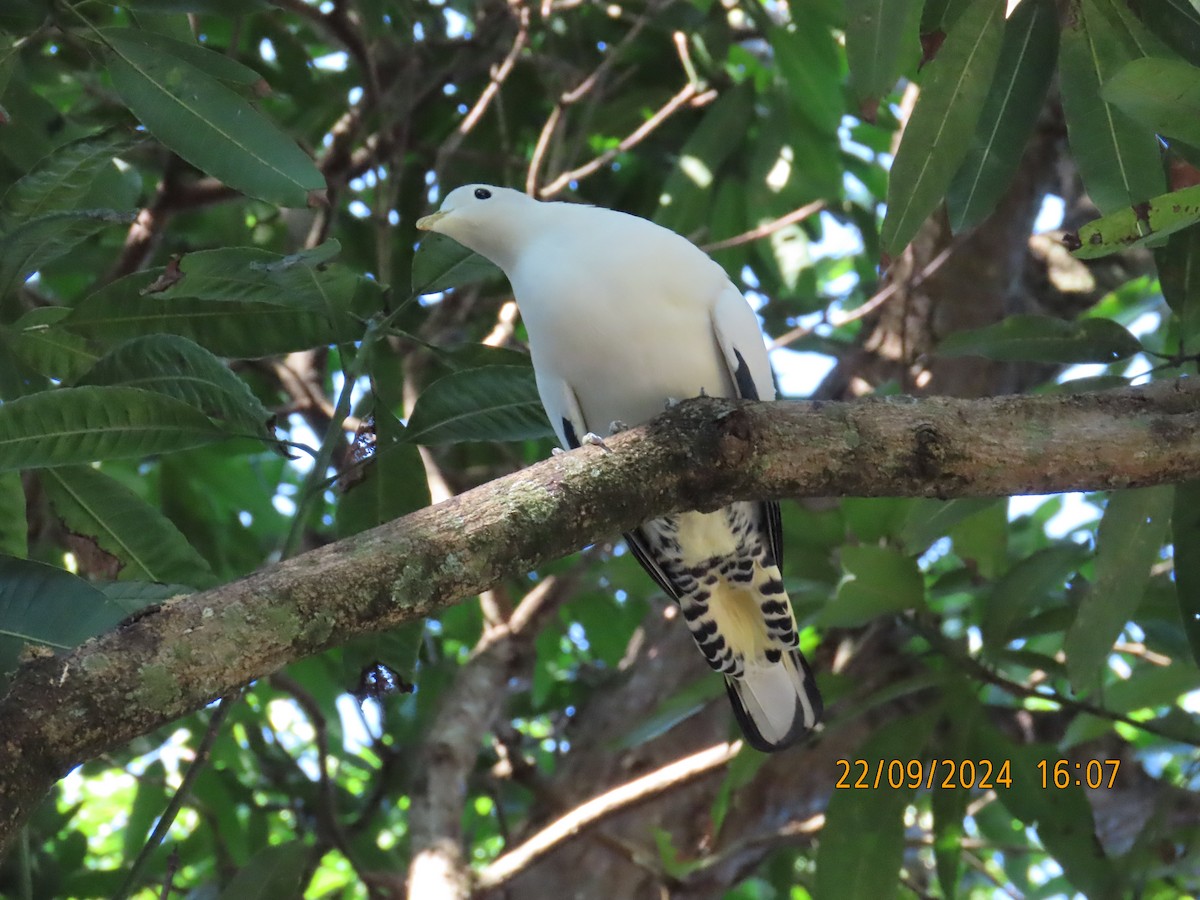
(173, 659)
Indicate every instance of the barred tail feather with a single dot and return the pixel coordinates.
(775, 704)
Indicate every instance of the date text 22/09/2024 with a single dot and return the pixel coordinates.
(985, 774)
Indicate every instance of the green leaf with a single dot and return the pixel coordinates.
(938, 134)
(392, 482)
(273, 872)
(283, 312)
(1178, 265)
(871, 519)
(13, 524)
(1137, 225)
(49, 350)
(1176, 23)
(981, 540)
(1151, 687)
(208, 124)
(1062, 817)
(173, 365)
(1127, 544)
(147, 543)
(678, 707)
(1026, 586)
(929, 519)
(62, 179)
(882, 40)
(304, 281)
(877, 581)
(79, 425)
(1161, 94)
(36, 242)
(1045, 339)
(1186, 533)
(1117, 158)
(133, 596)
(491, 403)
(215, 7)
(44, 605)
(1010, 112)
(218, 65)
(863, 838)
(687, 191)
(808, 58)
(441, 263)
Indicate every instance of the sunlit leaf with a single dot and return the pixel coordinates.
(938, 135)
(1128, 542)
(1137, 225)
(1014, 101)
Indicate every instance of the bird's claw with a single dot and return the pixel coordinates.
(671, 403)
(616, 426)
(592, 439)
(557, 451)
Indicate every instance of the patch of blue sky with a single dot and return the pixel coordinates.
(332, 62)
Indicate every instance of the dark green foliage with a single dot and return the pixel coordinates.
(220, 344)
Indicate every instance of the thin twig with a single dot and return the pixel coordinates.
(877, 300)
(615, 800)
(499, 75)
(687, 95)
(167, 819)
(767, 228)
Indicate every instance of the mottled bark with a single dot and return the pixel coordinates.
(175, 658)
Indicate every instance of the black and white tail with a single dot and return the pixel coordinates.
(721, 569)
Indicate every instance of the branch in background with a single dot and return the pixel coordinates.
(610, 802)
(439, 868)
(767, 228)
(702, 454)
(500, 74)
(877, 300)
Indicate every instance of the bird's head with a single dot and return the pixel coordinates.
(487, 219)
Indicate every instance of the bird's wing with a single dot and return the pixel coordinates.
(741, 342)
(566, 417)
(562, 407)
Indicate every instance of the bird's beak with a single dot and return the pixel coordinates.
(427, 223)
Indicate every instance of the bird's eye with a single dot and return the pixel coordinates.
(482, 193)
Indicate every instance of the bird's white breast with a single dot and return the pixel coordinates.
(621, 310)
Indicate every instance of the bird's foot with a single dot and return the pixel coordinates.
(557, 451)
(616, 426)
(671, 403)
(592, 439)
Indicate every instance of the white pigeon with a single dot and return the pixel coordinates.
(625, 316)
